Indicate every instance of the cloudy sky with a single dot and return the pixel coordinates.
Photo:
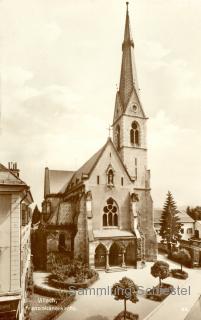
(60, 63)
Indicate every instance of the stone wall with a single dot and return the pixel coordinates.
(81, 237)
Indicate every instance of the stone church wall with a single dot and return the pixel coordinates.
(81, 238)
(145, 209)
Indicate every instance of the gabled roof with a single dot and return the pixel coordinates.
(88, 167)
(184, 217)
(56, 181)
(7, 177)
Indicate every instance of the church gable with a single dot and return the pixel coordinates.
(134, 107)
(109, 169)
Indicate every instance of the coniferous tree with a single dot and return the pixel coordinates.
(170, 230)
(36, 215)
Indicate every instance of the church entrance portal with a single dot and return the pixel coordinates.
(115, 255)
(100, 256)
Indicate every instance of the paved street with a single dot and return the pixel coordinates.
(105, 307)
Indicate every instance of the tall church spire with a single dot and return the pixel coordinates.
(128, 78)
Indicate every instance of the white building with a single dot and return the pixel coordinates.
(15, 224)
(188, 224)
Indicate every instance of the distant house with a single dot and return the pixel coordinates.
(15, 224)
(188, 224)
(198, 229)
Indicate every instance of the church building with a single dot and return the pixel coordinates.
(103, 212)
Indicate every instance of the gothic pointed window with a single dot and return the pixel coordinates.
(110, 214)
(104, 220)
(117, 132)
(135, 133)
(115, 220)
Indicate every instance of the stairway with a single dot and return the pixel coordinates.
(116, 269)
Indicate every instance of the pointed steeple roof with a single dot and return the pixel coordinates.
(128, 78)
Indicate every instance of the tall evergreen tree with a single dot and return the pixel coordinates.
(36, 215)
(170, 230)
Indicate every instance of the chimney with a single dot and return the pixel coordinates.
(12, 166)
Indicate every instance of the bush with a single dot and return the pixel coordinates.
(183, 257)
(160, 270)
(75, 269)
(179, 274)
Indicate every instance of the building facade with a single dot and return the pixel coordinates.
(188, 225)
(103, 212)
(15, 224)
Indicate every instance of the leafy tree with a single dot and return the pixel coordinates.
(36, 215)
(125, 290)
(170, 229)
(194, 213)
(160, 270)
(183, 256)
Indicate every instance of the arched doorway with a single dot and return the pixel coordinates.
(130, 256)
(115, 255)
(100, 256)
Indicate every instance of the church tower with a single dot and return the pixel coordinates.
(129, 137)
(129, 122)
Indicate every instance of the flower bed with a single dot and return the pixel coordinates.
(159, 293)
(129, 315)
(179, 274)
(73, 273)
(70, 282)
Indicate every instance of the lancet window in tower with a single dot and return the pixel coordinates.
(110, 214)
(135, 133)
(118, 137)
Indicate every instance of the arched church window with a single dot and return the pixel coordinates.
(135, 133)
(118, 137)
(104, 220)
(115, 220)
(110, 219)
(110, 215)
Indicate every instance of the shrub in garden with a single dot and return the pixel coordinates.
(75, 269)
(160, 270)
(125, 290)
(183, 257)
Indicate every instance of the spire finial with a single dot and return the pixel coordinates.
(127, 4)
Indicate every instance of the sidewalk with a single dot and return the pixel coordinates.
(179, 306)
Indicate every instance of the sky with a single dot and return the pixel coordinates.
(60, 65)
